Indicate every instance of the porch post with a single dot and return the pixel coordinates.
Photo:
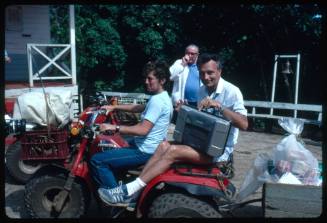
(72, 42)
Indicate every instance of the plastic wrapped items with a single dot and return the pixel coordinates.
(290, 162)
(291, 152)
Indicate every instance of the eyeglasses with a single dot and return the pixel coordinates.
(192, 53)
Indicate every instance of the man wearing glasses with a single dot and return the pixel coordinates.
(185, 75)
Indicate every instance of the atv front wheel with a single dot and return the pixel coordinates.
(20, 170)
(41, 193)
(177, 205)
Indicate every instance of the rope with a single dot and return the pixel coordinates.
(45, 97)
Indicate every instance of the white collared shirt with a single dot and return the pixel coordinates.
(179, 75)
(229, 96)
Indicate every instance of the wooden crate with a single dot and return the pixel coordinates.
(291, 201)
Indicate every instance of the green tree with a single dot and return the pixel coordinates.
(114, 41)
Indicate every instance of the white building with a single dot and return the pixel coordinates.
(28, 44)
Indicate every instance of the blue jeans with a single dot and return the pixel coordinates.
(104, 165)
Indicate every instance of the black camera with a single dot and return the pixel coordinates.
(15, 126)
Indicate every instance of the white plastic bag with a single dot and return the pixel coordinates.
(288, 157)
(291, 152)
(252, 181)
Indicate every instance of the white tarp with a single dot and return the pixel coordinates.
(32, 107)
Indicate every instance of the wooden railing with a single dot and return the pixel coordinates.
(34, 74)
(317, 109)
(252, 105)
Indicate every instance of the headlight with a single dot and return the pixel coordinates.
(75, 128)
(74, 131)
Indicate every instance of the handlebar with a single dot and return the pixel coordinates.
(95, 128)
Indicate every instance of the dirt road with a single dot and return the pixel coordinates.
(250, 144)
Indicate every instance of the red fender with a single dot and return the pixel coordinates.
(174, 177)
(11, 139)
(82, 170)
(116, 140)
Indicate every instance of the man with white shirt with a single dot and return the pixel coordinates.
(217, 94)
(185, 75)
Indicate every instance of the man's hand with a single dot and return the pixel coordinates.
(208, 103)
(185, 60)
(179, 104)
(109, 108)
(107, 127)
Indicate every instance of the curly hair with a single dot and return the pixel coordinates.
(160, 68)
(206, 57)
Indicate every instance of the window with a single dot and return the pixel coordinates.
(14, 18)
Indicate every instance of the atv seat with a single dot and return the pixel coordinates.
(223, 166)
(137, 171)
(226, 168)
(229, 162)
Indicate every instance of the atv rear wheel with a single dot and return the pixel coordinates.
(41, 192)
(177, 205)
(20, 170)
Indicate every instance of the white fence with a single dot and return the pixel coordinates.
(139, 98)
(128, 98)
(253, 105)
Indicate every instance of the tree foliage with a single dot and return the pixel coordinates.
(114, 41)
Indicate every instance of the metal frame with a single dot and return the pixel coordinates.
(277, 57)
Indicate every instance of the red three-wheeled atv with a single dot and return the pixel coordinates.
(65, 189)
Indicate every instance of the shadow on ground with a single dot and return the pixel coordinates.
(12, 210)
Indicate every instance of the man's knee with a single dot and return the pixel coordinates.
(171, 153)
(95, 161)
(164, 144)
(162, 148)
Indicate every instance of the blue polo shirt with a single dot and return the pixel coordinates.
(192, 84)
(158, 111)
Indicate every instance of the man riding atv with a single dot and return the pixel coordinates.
(151, 130)
(185, 190)
(216, 94)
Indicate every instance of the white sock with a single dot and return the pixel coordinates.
(135, 186)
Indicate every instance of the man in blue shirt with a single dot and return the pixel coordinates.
(148, 134)
(185, 75)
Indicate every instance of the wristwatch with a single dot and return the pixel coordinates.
(220, 109)
(117, 128)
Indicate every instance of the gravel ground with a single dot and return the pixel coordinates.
(250, 144)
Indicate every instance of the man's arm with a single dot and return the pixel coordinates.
(134, 108)
(140, 129)
(176, 70)
(237, 119)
